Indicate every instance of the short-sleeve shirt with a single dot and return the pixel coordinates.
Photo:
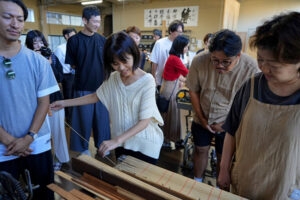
(159, 55)
(262, 93)
(60, 53)
(85, 52)
(174, 68)
(217, 90)
(19, 98)
(127, 105)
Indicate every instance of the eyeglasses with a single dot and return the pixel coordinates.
(224, 63)
(10, 74)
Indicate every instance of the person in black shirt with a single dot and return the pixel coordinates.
(84, 54)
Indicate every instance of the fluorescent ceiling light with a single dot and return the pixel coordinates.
(91, 2)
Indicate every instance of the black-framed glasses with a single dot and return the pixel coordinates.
(224, 63)
(10, 74)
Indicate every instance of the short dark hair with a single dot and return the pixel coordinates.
(90, 11)
(226, 41)
(206, 37)
(133, 29)
(280, 35)
(174, 26)
(178, 45)
(66, 31)
(118, 45)
(30, 37)
(157, 32)
(22, 5)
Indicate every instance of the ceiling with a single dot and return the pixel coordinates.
(105, 3)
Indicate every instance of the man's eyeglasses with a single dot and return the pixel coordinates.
(10, 74)
(224, 63)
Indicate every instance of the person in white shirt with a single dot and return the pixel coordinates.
(160, 52)
(128, 93)
(68, 72)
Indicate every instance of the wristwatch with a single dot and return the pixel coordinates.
(33, 135)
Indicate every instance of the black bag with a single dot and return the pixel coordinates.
(163, 103)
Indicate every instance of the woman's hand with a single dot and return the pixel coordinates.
(57, 105)
(224, 179)
(107, 146)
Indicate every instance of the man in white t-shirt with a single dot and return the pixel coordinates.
(68, 72)
(160, 52)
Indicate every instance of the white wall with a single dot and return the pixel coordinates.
(255, 12)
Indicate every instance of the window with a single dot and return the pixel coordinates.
(55, 40)
(30, 17)
(65, 19)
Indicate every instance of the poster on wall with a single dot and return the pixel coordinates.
(188, 15)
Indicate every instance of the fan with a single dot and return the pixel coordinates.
(11, 189)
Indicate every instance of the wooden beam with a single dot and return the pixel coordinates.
(61, 192)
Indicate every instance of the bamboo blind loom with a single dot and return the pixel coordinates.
(168, 185)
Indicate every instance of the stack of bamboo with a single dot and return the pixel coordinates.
(98, 190)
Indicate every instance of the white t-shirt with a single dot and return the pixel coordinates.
(60, 53)
(159, 55)
(127, 105)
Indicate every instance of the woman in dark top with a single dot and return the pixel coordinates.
(36, 41)
(263, 125)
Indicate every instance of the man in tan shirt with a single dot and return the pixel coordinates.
(213, 81)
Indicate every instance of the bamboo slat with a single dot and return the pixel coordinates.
(102, 186)
(128, 194)
(81, 195)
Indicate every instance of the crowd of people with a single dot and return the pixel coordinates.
(97, 84)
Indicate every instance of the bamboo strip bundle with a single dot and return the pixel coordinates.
(172, 182)
(115, 177)
(78, 183)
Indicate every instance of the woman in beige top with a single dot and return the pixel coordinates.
(128, 93)
(262, 145)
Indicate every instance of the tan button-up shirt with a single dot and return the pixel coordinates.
(217, 90)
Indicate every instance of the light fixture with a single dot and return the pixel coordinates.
(91, 2)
